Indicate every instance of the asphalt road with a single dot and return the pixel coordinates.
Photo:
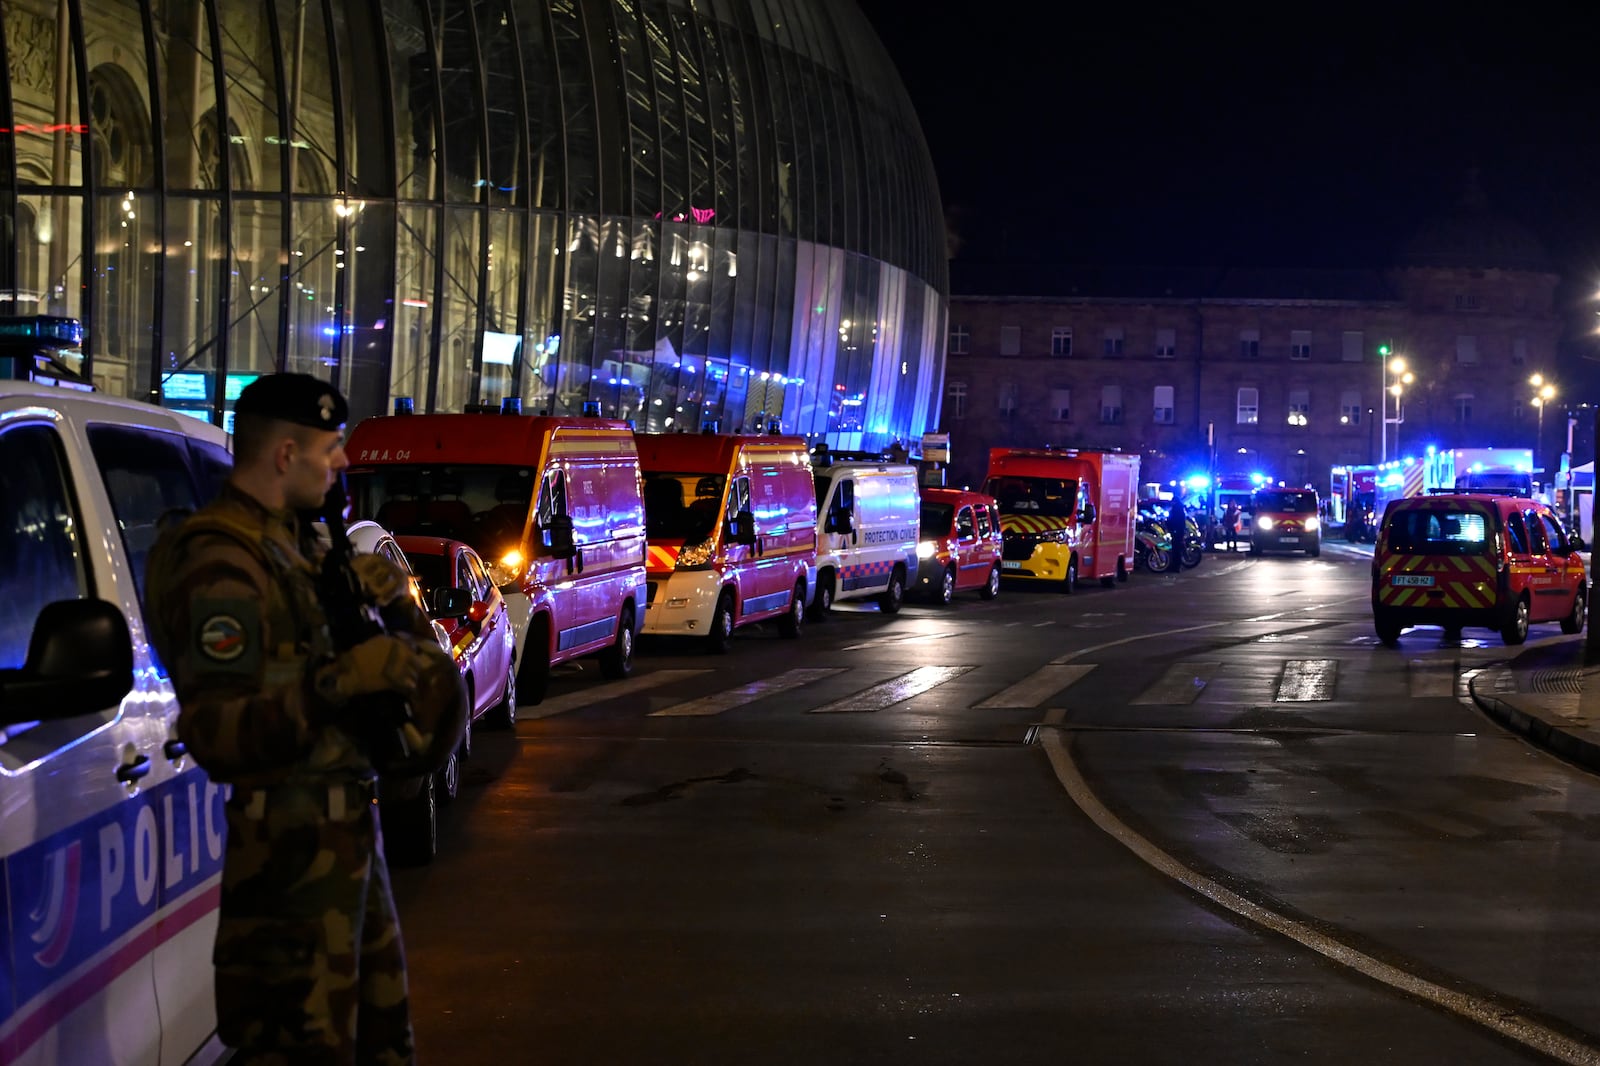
(1192, 818)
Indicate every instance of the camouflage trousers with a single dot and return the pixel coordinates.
(309, 965)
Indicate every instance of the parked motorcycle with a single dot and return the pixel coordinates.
(1152, 546)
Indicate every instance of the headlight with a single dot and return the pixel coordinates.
(925, 549)
(1312, 525)
(692, 556)
(506, 570)
(1263, 522)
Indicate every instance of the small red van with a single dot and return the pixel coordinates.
(961, 545)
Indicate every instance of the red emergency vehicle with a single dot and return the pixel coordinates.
(1065, 513)
(732, 524)
(552, 505)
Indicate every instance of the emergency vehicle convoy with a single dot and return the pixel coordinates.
(553, 507)
(732, 528)
(111, 839)
(867, 513)
(1065, 514)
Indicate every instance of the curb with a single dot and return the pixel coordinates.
(1568, 745)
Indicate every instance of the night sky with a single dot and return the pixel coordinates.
(1132, 135)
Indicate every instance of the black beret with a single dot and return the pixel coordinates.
(298, 398)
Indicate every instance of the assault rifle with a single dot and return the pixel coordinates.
(377, 721)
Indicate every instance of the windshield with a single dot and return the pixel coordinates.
(936, 519)
(486, 506)
(1049, 497)
(680, 506)
(1286, 502)
(1438, 531)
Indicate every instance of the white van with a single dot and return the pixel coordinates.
(111, 838)
(868, 517)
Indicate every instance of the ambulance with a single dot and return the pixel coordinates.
(553, 506)
(732, 525)
(111, 839)
(1065, 514)
(867, 532)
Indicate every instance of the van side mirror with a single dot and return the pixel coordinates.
(744, 528)
(80, 660)
(558, 536)
(1088, 513)
(449, 603)
(1575, 543)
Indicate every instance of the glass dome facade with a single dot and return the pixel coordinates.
(681, 210)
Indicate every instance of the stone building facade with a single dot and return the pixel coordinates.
(1269, 371)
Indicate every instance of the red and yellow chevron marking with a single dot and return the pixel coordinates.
(1466, 581)
(662, 558)
(1027, 523)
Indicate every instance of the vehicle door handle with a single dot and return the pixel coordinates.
(175, 749)
(129, 772)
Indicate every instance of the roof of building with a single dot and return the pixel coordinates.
(1153, 283)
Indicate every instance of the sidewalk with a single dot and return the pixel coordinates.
(1549, 696)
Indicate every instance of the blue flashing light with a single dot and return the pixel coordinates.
(1198, 481)
(1258, 480)
(329, 331)
(1431, 449)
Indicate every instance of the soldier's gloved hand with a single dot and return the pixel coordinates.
(380, 579)
(378, 664)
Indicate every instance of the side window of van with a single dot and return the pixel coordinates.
(211, 466)
(985, 524)
(552, 497)
(964, 524)
(1552, 530)
(147, 477)
(1536, 538)
(738, 496)
(41, 529)
(1517, 531)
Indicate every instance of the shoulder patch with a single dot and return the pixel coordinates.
(227, 635)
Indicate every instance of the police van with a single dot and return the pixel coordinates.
(111, 838)
(867, 527)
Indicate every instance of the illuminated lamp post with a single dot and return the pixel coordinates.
(1396, 388)
(1543, 393)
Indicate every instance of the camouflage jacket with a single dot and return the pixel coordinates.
(231, 599)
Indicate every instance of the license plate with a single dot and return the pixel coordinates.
(1421, 581)
(1288, 540)
(1011, 564)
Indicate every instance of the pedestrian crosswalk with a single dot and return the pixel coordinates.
(1244, 681)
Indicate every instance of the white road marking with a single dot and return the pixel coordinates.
(907, 639)
(576, 701)
(1037, 686)
(893, 691)
(1180, 685)
(738, 697)
(1307, 681)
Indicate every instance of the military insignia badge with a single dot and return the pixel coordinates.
(226, 635)
(325, 403)
(222, 638)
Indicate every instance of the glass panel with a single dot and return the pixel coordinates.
(252, 87)
(541, 339)
(196, 256)
(463, 114)
(48, 250)
(672, 138)
(638, 94)
(369, 307)
(312, 271)
(47, 125)
(458, 310)
(578, 368)
(506, 275)
(44, 556)
(543, 103)
(624, 371)
(369, 151)
(691, 83)
(253, 302)
(412, 328)
(126, 252)
(308, 70)
(722, 95)
(508, 141)
(413, 72)
(578, 110)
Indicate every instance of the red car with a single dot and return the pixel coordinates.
(482, 640)
(961, 545)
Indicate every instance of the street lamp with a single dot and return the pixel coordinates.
(1543, 393)
(1402, 378)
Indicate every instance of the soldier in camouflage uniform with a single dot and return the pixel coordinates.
(309, 966)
